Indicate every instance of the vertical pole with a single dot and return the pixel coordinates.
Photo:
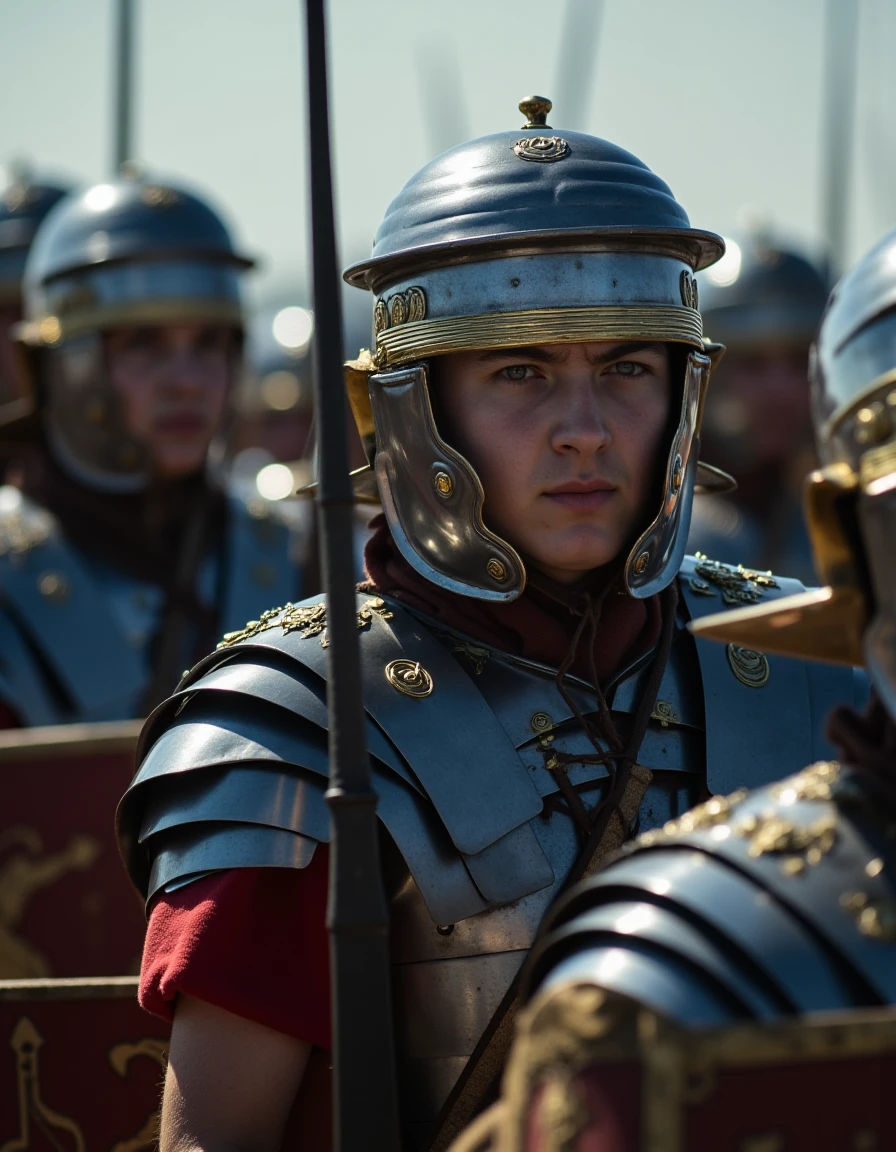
(123, 141)
(841, 44)
(577, 62)
(365, 1108)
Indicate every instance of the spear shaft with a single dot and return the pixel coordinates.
(365, 1106)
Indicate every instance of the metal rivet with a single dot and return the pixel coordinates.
(676, 473)
(54, 586)
(873, 424)
(443, 483)
(444, 929)
(496, 570)
(641, 563)
(409, 677)
(541, 722)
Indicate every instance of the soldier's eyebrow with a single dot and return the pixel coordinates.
(557, 354)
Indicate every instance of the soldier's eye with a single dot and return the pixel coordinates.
(517, 372)
(629, 368)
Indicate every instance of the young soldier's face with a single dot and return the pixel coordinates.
(173, 382)
(566, 439)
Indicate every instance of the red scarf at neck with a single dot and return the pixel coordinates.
(538, 625)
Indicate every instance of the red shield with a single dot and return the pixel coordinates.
(81, 1066)
(67, 907)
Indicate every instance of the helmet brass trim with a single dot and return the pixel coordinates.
(413, 341)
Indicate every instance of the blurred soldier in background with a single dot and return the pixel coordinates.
(755, 913)
(121, 557)
(23, 204)
(763, 302)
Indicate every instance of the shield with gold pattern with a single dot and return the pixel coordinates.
(67, 907)
(81, 1065)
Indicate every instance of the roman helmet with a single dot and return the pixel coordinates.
(533, 235)
(762, 294)
(128, 252)
(23, 205)
(851, 499)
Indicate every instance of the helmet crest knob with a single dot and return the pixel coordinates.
(535, 109)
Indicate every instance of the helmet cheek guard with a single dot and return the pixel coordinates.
(656, 557)
(432, 496)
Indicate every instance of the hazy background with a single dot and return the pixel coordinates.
(723, 99)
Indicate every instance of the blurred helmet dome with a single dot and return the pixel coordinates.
(23, 205)
(129, 251)
(762, 293)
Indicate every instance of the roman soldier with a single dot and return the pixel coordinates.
(728, 981)
(763, 301)
(531, 408)
(120, 555)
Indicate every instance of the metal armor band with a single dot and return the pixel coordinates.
(147, 292)
(406, 342)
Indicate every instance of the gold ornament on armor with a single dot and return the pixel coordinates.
(409, 677)
(405, 307)
(542, 149)
(749, 666)
(689, 293)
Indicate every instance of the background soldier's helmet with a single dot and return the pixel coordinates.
(530, 236)
(128, 252)
(23, 205)
(762, 295)
(851, 500)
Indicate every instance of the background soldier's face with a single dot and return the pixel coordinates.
(565, 438)
(173, 383)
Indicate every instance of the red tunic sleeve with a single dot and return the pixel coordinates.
(252, 941)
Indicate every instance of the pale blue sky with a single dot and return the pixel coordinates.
(721, 97)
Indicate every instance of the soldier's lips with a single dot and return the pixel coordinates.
(181, 423)
(586, 497)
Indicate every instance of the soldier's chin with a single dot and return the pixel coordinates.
(568, 556)
(175, 461)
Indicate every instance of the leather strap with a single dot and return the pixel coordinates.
(479, 1079)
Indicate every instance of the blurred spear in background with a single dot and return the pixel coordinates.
(577, 62)
(123, 111)
(841, 44)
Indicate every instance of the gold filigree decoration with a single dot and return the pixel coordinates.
(309, 619)
(22, 876)
(665, 713)
(477, 656)
(120, 1057)
(409, 677)
(749, 666)
(817, 782)
(689, 293)
(737, 585)
(799, 845)
(710, 814)
(50, 1126)
(562, 1114)
(542, 149)
(874, 918)
(405, 307)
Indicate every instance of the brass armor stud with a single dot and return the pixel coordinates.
(677, 471)
(443, 484)
(541, 722)
(496, 570)
(409, 677)
(54, 586)
(641, 563)
(750, 667)
(873, 424)
(535, 109)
